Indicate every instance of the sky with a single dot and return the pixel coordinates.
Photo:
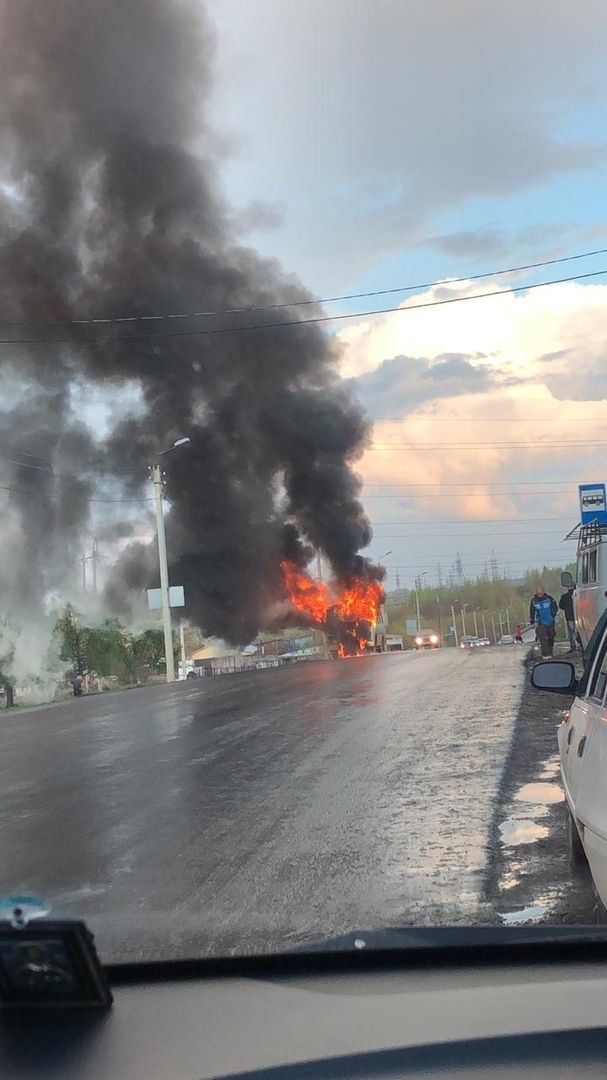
(373, 146)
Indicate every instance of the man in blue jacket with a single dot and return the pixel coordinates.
(543, 610)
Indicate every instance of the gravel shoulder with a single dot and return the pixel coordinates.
(529, 880)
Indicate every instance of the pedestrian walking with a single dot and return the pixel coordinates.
(543, 610)
(566, 606)
(518, 634)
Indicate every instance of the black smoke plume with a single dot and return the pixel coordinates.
(111, 207)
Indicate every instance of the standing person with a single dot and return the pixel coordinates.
(543, 610)
(77, 685)
(566, 606)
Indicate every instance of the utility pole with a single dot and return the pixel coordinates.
(164, 574)
(182, 646)
(454, 624)
(475, 624)
(94, 559)
(508, 619)
(440, 621)
(484, 627)
(494, 631)
(499, 615)
(419, 621)
(464, 631)
(318, 567)
(83, 561)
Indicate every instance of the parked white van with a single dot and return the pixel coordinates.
(590, 597)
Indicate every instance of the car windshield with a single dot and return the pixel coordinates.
(247, 568)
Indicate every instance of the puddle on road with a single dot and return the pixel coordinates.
(543, 793)
(526, 915)
(550, 770)
(516, 831)
(511, 878)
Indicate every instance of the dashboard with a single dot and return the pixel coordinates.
(543, 1013)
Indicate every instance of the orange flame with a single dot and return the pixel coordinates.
(309, 597)
(361, 602)
(357, 605)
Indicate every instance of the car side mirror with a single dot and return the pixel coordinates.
(567, 580)
(558, 676)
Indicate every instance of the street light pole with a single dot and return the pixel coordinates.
(162, 558)
(454, 625)
(164, 574)
(418, 585)
(182, 647)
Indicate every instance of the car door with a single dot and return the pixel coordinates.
(591, 800)
(575, 736)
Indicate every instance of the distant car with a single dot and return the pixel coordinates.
(468, 641)
(481, 642)
(507, 639)
(427, 639)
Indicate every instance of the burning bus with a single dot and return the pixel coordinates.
(348, 612)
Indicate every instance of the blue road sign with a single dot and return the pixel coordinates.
(593, 505)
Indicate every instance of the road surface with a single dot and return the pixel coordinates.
(266, 809)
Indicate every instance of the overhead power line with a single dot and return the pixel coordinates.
(478, 419)
(434, 446)
(468, 521)
(469, 535)
(209, 331)
(503, 559)
(477, 483)
(49, 495)
(469, 494)
(307, 302)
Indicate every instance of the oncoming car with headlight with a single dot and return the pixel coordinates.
(427, 639)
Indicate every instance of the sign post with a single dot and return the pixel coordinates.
(593, 504)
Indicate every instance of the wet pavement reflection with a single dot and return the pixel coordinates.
(267, 809)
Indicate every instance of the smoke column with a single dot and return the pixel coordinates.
(111, 206)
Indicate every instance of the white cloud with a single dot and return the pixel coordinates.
(528, 370)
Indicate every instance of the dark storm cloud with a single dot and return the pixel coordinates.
(474, 244)
(100, 105)
(584, 380)
(381, 118)
(403, 383)
(478, 245)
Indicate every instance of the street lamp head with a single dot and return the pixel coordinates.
(178, 442)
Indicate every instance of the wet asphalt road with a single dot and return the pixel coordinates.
(267, 809)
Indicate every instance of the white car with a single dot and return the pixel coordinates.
(582, 740)
(468, 641)
(427, 639)
(506, 639)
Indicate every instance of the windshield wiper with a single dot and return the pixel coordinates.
(453, 937)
